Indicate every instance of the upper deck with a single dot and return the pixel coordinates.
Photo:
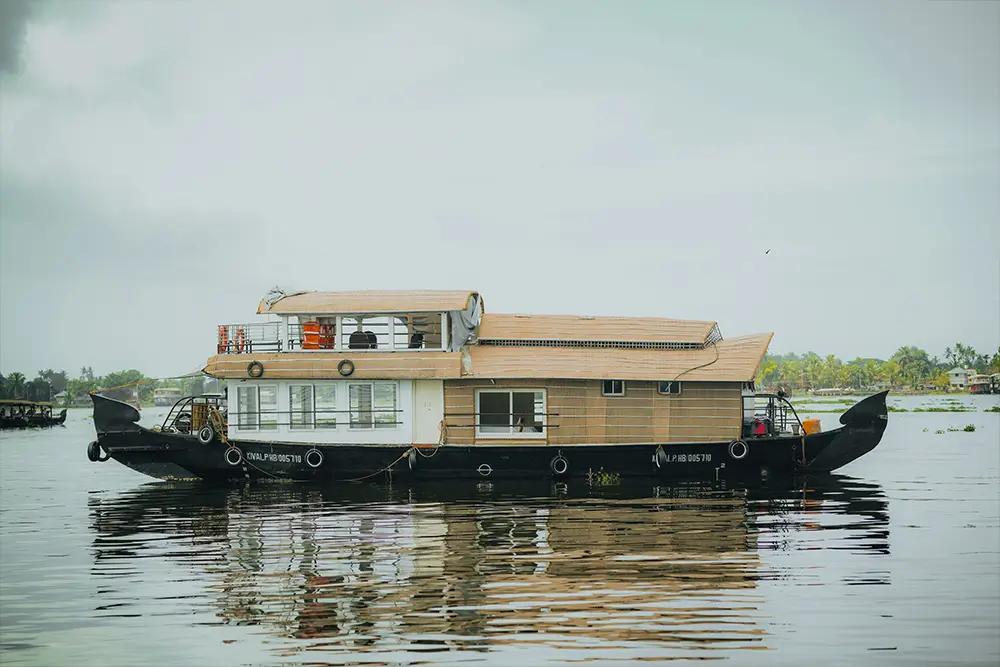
(376, 321)
(447, 335)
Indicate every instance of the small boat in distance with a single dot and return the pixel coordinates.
(349, 386)
(163, 396)
(18, 413)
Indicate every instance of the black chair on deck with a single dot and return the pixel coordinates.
(358, 341)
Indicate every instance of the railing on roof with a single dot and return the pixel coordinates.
(375, 332)
(249, 338)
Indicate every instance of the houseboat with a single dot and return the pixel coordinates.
(17, 413)
(163, 396)
(981, 383)
(351, 386)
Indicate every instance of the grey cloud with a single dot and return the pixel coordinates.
(14, 17)
(162, 169)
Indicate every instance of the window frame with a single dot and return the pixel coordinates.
(374, 425)
(612, 393)
(309, 414)
(325, 410)
(677, 383)
(257, 427)
(513, 434)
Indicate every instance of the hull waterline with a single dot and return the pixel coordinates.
(174, 456)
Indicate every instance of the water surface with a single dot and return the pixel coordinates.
(895, 561)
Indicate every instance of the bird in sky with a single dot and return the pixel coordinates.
(768, 250)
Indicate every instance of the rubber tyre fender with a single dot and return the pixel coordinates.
(559, 465)
(229, 456)
(94, 450)
(737, 445)
(255, 369)
(206, 434)
(660, 457)
(313, 455)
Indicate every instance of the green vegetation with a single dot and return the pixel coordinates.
(968, 428)
(49, 383)
(995, 408)
(908, 367)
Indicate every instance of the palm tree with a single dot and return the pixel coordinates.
(15, 385)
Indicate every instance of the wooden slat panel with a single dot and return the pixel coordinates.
(501, 326)
(705, 411)
(323, 365)
(738, 359)
(459, 400)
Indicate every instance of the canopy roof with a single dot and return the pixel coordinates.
(499, 326)
(371, 301)
(737, 361)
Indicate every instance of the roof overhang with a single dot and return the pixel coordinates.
(371, 301)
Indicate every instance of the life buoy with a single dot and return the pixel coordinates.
(314, 458)
(345, 367)
(234, 456)
(738, 449)
(223, 339)
(559, 465)
(206, 434)
(255, 369)
(326, 338)
(240, 339)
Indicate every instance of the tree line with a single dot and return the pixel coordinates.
(908, 367)
(126, 385)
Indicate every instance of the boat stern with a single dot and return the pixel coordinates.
(120, 437)
(863, 426)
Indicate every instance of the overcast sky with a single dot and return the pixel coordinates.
(165, 163)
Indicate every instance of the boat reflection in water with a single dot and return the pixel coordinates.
(642, 572)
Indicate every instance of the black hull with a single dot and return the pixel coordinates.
(173, 456)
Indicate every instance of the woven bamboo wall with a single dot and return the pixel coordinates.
(704, 412)
(323, 365)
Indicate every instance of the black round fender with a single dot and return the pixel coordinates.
(94, 451)
(738, 449)
(559, 465)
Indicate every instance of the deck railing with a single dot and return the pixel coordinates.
(249, 338)
(376, 333)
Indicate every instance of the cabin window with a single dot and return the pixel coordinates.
(246, 399)
(373, 405)
(326, 406)
(668, 388)
(613, 387)
(268, 401)
(300, 402)
(510, 413)
(258, 407)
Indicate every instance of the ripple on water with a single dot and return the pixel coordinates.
(99, 569)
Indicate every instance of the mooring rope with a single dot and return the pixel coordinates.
(388, 467)
(139, 382)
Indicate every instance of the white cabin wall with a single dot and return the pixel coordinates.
(343, 433)
(428, 411)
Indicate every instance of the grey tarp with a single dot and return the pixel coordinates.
(464, 324)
